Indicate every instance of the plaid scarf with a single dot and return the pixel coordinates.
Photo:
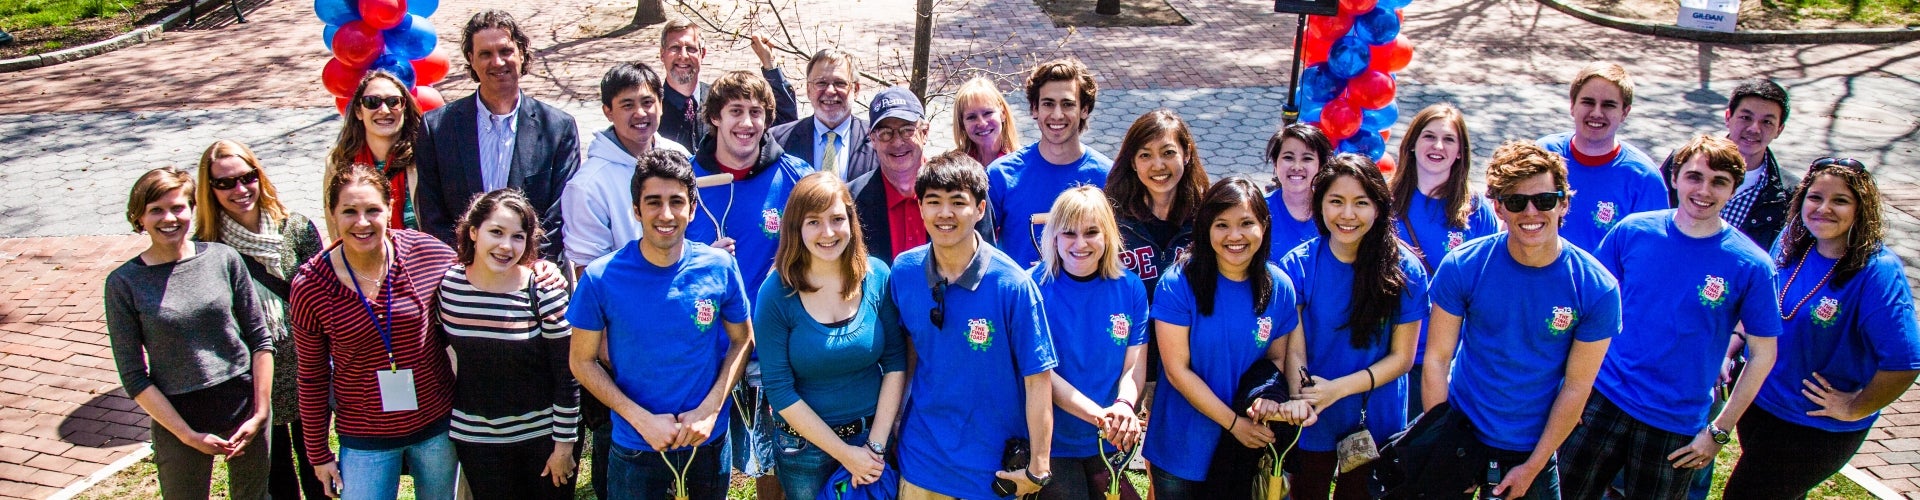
(265, 247)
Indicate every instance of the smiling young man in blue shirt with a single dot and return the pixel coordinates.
(1060, 94)
(1614, 178)
(983, 355)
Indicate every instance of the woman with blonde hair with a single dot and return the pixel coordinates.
(982, 121)
(382, 122)
(832, 352)
(1098, 312)
(243, 211)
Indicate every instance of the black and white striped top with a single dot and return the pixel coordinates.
(513, 383)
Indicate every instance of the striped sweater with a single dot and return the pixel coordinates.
(339, 349)
(514, 383)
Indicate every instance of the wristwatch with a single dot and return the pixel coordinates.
(877, 448)
(1040, 481)
(1720, 436)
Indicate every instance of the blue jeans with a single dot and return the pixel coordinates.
(805, 467)
(375, 474)
(641, 474)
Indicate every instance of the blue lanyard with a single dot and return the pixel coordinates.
(385, 329)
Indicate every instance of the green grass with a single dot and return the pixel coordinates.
(28, 14)
(1896, 12)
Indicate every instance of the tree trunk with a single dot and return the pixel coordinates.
(922, 46)
(649, 12)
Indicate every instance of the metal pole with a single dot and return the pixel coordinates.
(1291, 113)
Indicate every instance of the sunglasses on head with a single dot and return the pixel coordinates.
(1830, 162)
(938, 315)
(225, 183)
(373, 102)
(1541, 201)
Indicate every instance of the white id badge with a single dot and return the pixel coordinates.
(396, 390)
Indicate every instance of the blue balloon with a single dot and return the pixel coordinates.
(400, 68)
(1380, 119)
(1377, 27)
(425, 8)
(1393, 4)
(336, 12)
(412, 39)
(1348, 57)
(1366, 142)
(1310, 110)
(326, 35)
(1318, 84)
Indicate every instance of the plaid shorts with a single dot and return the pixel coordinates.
(1610, 442)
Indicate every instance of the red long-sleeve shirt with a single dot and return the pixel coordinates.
(339, 348)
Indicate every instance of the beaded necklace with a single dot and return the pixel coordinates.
(1788, 315)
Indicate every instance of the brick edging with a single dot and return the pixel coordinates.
(1863, 36)
(137, 36)
(1869, 483)
(112, 469)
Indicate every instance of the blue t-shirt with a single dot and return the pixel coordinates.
(1677, 314)
(1437, 238)
(1093, 322)
(1844, 333)
(1221, 347)
(1285, 233)
(1024, 183)
(1605, 194)
(1518, 325)
(836, 370)
(968, 390)
(1325, 293)
(750, 211)
(663, 326)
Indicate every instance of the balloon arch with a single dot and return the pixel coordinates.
(381, 35)
(1348, 87)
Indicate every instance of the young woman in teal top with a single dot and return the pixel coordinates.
(832, 353)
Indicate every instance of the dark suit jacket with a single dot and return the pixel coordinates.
(870, 205)
(447, 160)
(797, 138)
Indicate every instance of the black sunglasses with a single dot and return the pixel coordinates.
(1542, 201)
(938, 315)
(1829, 162)
(373, 102)
(225, 183)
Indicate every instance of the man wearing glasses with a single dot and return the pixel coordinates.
(829, 138)
(681, 52)
(883, 197)
(1531, 316)
(984, 357)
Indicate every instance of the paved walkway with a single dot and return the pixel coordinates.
(77, 134)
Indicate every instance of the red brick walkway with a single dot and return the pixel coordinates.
(62, 413)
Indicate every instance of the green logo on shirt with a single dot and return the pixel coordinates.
(1563, 318)
(1824, 313)
(1603, 214)
(1713, 292)
(1117, 328)
(703, 314)
(979, 334)
(1262, 332)
(770, 222)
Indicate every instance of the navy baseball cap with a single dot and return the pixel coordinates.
(895, 102)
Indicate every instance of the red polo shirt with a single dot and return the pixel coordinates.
(903, 216)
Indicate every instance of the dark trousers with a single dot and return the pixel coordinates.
(512, 471)
(291, 473)
(602, 437)
(646, 475)
(1780, 459)
(1313, 477)
(1083, 479)
(1608, 441)
(1498, 463)
(185, 472)
(1170, 487)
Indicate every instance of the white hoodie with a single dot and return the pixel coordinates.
(598, 199)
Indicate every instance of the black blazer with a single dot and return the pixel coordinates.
(797, 138)
(870, 205)
(447, 160)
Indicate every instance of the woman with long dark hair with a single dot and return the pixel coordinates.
(244, 212)
(1434, 210)
(1297, 152)
(1362, 298)
(832, 353)
(516, 406)
(1850, 347)
(382, 122)
(1155, 187)
(1216, 315)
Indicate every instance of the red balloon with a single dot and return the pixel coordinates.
(428, 98)
(1315, 49)
(1339, 119)
(1370, 90)
(341, 104)
(357, 44)
(1386, 163)
(1391, 57)
(339, 79)
(1348, 8)
(1312, 57)
(431, 69)
(385, 14)
(1329, 27)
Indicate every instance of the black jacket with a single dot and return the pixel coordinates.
(446, 158)
(870, 205)
(1768, 215)
(1146, 258)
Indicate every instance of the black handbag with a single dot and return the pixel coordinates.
(1436, 456)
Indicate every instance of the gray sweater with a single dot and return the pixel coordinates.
(185, 325)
